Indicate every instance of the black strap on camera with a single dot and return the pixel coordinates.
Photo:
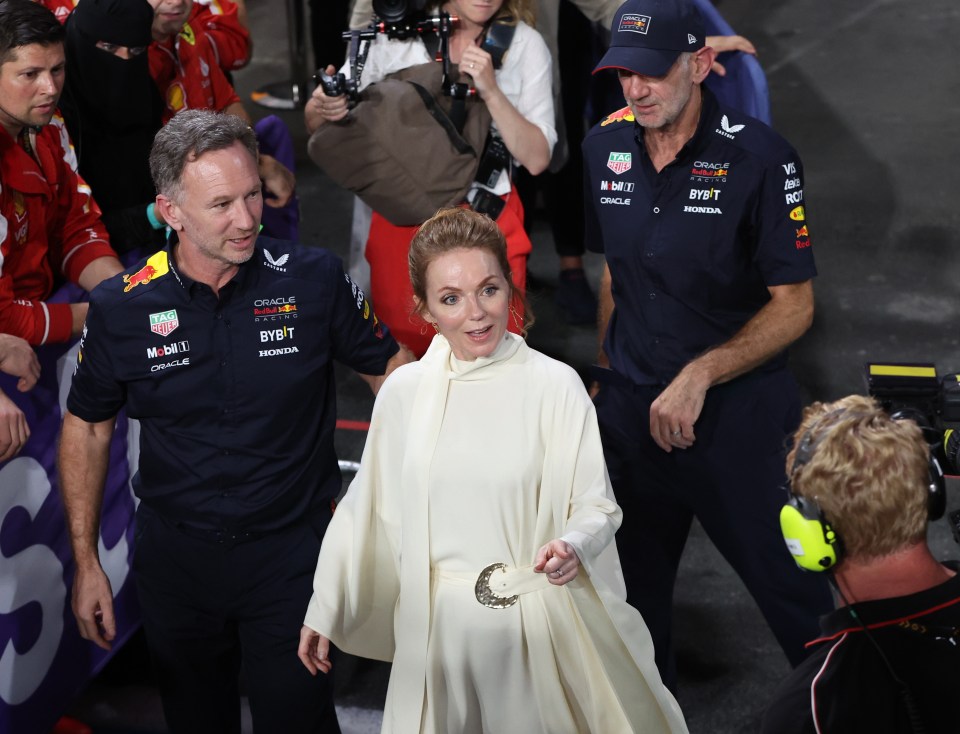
(494, 160)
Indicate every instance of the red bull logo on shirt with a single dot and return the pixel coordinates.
(156, 266)
(624, 115)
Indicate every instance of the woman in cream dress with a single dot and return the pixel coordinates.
(475, 547)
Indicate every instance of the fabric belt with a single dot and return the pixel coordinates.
(223, 536)
(498, 586)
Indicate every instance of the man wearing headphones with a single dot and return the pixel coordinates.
(863, 487)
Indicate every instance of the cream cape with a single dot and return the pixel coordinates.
(588, 653)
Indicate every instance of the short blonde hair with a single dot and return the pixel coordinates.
(868, 473)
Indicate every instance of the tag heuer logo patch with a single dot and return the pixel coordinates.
(164, 323)
(620, 162)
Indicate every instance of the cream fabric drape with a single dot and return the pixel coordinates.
(467, 464)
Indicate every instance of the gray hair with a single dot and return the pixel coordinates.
(187, 137)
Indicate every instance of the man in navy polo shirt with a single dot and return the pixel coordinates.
(222, 345)
(699, 212)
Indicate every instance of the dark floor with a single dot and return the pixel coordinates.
(875, 120)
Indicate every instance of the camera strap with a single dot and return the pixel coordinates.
(496, 40)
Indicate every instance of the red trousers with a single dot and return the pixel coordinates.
(390, 290)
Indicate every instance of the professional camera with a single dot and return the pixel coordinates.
(401, 19)
(399, 16)
(913, 390)
(910, 390)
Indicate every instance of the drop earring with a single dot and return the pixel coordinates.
(517, 319)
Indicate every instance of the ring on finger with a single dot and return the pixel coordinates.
(675, 433)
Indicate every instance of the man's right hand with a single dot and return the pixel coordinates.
(93, 606)
(14, 430)
(17, 358)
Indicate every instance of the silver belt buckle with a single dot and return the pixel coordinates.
(485, 594)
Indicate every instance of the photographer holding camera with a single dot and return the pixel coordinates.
(516, 93)
(863, 487)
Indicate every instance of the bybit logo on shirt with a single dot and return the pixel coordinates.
(277, 335)
(710, 194)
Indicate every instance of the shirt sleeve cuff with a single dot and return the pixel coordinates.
(60, 324)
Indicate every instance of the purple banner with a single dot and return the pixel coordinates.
(44, 662)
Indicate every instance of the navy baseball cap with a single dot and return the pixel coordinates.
(647, 36)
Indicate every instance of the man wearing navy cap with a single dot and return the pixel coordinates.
(699, 212)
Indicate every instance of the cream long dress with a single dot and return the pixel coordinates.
(468, 464)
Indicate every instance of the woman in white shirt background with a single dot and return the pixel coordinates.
(520, 100)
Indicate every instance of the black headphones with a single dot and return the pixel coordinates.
(809, 536)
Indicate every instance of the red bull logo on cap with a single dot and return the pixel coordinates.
(634, 23)
(624, 115)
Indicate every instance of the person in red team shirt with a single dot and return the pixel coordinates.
(187, 70)
(50, 227)
(223, 21)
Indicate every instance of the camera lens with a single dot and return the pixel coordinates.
(391, 11)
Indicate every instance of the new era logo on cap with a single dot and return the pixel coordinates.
(633, 23)
(691, 39)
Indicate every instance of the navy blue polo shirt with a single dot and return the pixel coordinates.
(235, 395)
(693, 248)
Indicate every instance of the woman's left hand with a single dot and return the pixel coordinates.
(478, 64)
(559, 561)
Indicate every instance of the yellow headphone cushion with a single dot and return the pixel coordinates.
(810, 542)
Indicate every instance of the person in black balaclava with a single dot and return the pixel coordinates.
(113, 110)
